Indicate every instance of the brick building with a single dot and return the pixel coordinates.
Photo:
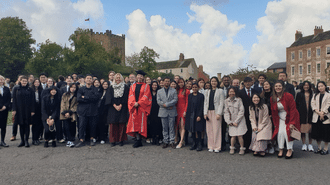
(110, 41)
(309, 57)
(183, 67)
(277, 67)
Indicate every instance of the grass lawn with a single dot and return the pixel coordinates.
(9, 120)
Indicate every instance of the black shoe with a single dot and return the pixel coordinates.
(27, 144)
(193, 147)
(172, 145)
(199, 147)
(46, 144)
(137, 144)
(255, 154)
(113, 144)
(318, 151)
(34, 142)
(121, 143)
(21, 144)
(80, 144)
(324, 152)
(38, 142)
(92, 143)
(279, 156)
(3, 144)
(289, 157)
(53, 143)
(154, 141)
(165, 145)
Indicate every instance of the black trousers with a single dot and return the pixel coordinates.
(59, 130)
(223, 133)
(248, 135)
(70, 129)
(101, 130)
(91, 123)
(48, 134)
(37, 127)
(24, 131)
(3, 123)
(15, 128)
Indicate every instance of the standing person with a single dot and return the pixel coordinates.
(30, 79)
(118, 110)
(131, 80)
(246, 96)
(207, 85)
(68, 114)
(213, 112)
(5, 98)
(167, 98)
(43, 80)
(303, 103)
(173, 85)
(50, 110)
(66, 88)
(261, 126)
(235, 83)
(7, 82)
(182, 104)
(61, 81)
(226, 81)
(285, 117)
(287, 86)
(234, 117)
(148, 80)
(103, 127)
(139, 104)
(37, 127)
(176, 78)
(23, 109)
(154, 122)
(189, 86)
(258, 86)
(88, 97)
(201, 83)
(161, 83)
(15, 124)
(111, 76)
(321, 124)
(195, 122)
(74, 77)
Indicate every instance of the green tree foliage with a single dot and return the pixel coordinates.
(241, 73)
(15, 46)
(48, 58)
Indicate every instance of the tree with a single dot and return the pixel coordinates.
(48, 58)
(145, 60)
(241, 73)
(15, 46)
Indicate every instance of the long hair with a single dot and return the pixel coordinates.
(274, 96)
(152, 82)
(262, 94)
(77, 88)
(317, 91)
(33, 87)
(218, 82)
(114, 78)
(259, 105)
(184, 86)
(309, 87)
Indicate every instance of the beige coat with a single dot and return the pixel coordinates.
(324, 107)
(264, 123)
(234, 113)
(219, 101)
(65, 106)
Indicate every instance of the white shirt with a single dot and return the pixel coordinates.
(248, 91)
(44, 85)
(1, 90)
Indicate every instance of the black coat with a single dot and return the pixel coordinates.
(115, 116)
(154, 122)
(290, 89)
(4, 101)
(50, 109)
(194, 111)
(247, 101)
(60, 84)
(23, 104)
(305, 115)
(36, 118)
(46, 92)
(88, 106)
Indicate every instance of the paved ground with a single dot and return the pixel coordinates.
(150, 164)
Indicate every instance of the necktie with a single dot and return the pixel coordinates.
(249, 94)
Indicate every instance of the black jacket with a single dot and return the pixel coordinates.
(5, 98)
(247, 101)
(50, 109)
(88, 106)
(306, 115)
(191, 124)
(23, 104)
(290, 89)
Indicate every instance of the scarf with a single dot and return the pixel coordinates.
(118, 89)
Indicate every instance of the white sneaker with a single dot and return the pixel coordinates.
(271, 150)
(68, 144)
(71, 144)
(216, 151)
(102, 142)
(304, 147)
(310, 148)
(210, 150)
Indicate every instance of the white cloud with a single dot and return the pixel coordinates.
(212, 47)
(52, 19)
(277, 29)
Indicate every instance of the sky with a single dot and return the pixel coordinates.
(221, 35)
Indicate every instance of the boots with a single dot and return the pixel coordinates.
(137, 144)
(46, 144)
(53, 143)
(199, 145)
(21, 144)
(194, 144)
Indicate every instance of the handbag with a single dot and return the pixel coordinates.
(51, 128)
(295, 133)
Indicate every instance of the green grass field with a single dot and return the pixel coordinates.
(9, 120)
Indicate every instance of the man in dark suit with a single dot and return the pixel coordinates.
(65, 88)
(60, 82)
(5, 98)
(226, 80)
(258, 86)
(246, 95)
(288, 87)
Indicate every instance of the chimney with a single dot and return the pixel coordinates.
(219, 76)
(318, 30)
(298, 35)
(181, 57)
(200, 68)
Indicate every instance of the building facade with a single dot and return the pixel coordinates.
(277, 67)
(185, 68)
(309, 57)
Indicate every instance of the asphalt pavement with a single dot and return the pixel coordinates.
(150, 164)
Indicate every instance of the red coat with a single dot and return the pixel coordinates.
(292, 114)
(182, 104)
(138, 116)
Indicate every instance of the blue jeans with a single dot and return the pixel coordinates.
(168, 129)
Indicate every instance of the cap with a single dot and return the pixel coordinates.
(140, 72)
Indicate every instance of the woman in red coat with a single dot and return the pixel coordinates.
(285, 117)
(181, 108)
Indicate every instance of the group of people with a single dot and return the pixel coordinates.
(261, 115)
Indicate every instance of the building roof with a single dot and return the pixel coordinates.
(277, 65)
(174, 64)
(311, 39)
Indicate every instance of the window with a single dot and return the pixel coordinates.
(181, 70)
(300, 70)
(318, 68)
(170, 70)
(101, 43)
(166, 71)
(309, 53)
(292, 70)
(309, 69)
(328, 64)
(318, 52)
(275, 70)
(300, 54)
(292, 56)
(328, 50)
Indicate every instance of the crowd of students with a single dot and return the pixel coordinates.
(259, 114)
